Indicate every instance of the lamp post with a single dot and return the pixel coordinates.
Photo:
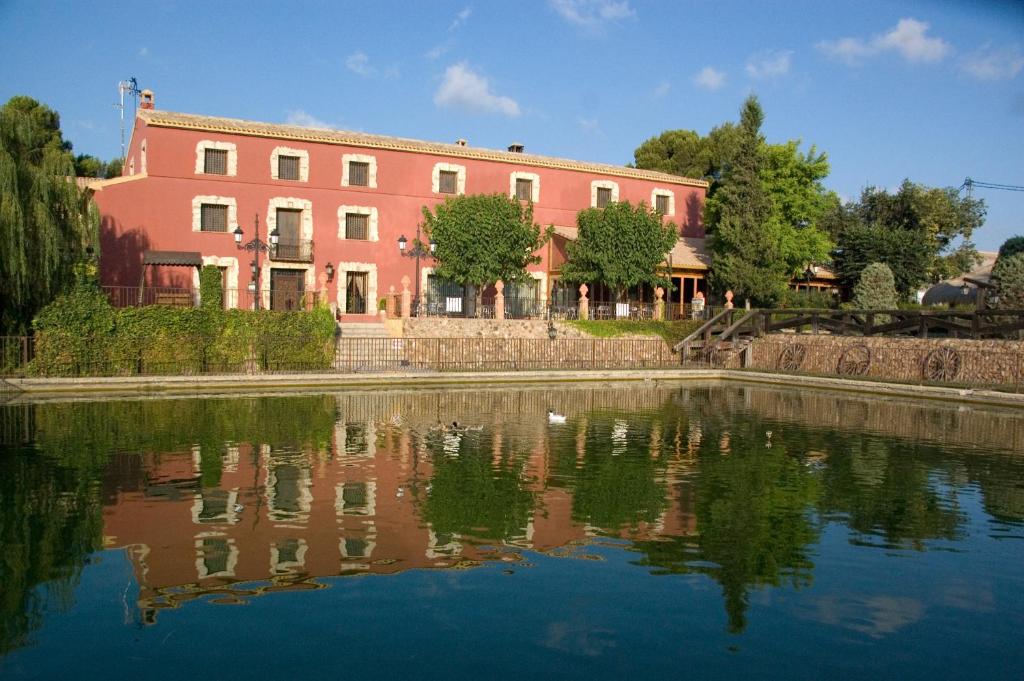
(256, 246)
(416, 251)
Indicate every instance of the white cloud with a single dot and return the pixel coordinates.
(460, 18)
(991, 64)
(359, 64)
(770, 64)
(464, 89)
(305, 120)
(662, 89)
(591, 126)
(709, 78)
(909, 38)
(593, 15)
(437, 51)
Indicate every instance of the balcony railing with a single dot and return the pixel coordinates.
(297, 251)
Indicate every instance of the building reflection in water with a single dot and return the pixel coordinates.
(233, 498)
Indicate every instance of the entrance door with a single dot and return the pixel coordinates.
(286, 289)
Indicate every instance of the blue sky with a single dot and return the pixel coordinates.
(933, 91)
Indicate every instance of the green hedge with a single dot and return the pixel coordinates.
(81, 334)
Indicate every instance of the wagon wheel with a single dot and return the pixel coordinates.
(942, 364)
(854, 361)
(792, 357)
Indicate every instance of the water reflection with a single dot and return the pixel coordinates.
(238, 497)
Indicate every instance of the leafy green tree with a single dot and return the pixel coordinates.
(46, 222)
(686, 153)
(87, 165)
(876, 289)
(1008, 277)
(922, 233)
(482, 238)
(619, 245)
(1012, 246)
(115, 167)
(908, 253)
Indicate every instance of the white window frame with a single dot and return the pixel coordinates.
(658, 191)
(342, 270)
(460, 183)
(305, 499)
(371, 499)
(308, 284)
(142, 155)
(371, 173)
(603, 184)
(303, 155)
(291, 203)
(279, 567)
(230, 280)
(203, 145)
(534, 178)
(371, 230)
(229, 570)
(197, 211)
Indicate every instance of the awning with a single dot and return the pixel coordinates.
(188, 258)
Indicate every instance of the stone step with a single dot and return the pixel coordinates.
(364, 330)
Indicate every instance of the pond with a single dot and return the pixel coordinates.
(661, 530)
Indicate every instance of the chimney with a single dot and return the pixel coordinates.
(516, 148)
(146, 99)
(461, 142)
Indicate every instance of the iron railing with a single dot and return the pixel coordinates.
(297, 251)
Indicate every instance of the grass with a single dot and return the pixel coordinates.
(671, 332)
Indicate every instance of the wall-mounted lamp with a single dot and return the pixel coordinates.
(329, 269)
(965, 290)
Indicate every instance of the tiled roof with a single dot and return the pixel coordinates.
(233, 126)
(689, 252)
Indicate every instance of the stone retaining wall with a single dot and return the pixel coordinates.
(957, 361)
(457, 327)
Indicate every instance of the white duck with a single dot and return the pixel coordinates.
(555, 418)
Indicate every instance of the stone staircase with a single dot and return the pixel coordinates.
(372, 348)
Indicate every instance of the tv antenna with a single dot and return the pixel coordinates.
(131, 86)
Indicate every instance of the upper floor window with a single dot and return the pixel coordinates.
(358, 170)
(287, 167)
(213, 213)
(289, 164)
(524, 186)
(603, 192)
(213, 218)
(663, 201)
(449, 178)
(216, 158)
(357, 226)
(215, 161)
(448, 182)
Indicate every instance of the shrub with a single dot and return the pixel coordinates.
(1012, 246)
(1008, 279)
(876, 289)
(211, 287)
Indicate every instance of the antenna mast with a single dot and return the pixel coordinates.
(131, 86)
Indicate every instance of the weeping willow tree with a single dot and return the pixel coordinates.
(46, 221)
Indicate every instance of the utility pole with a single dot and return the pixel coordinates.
(131, 86)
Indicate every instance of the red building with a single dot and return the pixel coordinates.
(339, 202)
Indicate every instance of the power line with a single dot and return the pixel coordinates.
(970, 184)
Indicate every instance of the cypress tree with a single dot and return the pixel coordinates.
(747, 259)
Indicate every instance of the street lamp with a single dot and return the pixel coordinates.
(416, 251)
(256, 246)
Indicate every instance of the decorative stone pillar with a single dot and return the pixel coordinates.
(499, 299)
(584, 303)
(321, 291)
(728, 300)
(697, 305)
(389, 304)
(659, 303)
(406, 298)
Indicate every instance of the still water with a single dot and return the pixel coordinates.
(660, 532)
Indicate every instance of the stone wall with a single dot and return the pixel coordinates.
(956, 361)
(457, 327)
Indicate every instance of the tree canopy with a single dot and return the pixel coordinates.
(619, 245)
(1012, 246)
(778, 236)
(46, 221)
(876, 289)
(1008, 277)
(922, 233)
(87, 165)
(482, 238)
